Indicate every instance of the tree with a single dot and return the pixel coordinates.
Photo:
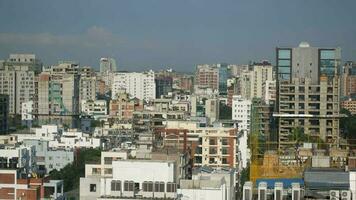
(348, 124)
(71, 173)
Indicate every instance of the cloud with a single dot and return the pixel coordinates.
(94, 37)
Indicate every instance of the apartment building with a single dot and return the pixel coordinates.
(123, 107)
(73, 138)
(269, 92)
(48, 159)
(134, 179)
(261, 122)
(349, 105)
(213, 77)
(94, 108)
(15, 186)
(208, 183)
(4, 113)
(87, 84)
(17, 79)
(204, 106)
(210, 146)
(27, 115)
(241, 112)
(21, 157)
(348, 79)
(58, 90)
(164, 85)
(261, 72)
(207, 76)
(138, 85)
(308, 92)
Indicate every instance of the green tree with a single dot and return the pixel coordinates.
(71, 173)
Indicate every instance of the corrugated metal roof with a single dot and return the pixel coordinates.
(326, 179)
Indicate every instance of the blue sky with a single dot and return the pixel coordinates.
(144, 34)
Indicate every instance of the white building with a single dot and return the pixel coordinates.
(46, 132)
(134, 179)
(139, 85)
(75, 139)
(209, 184)
(48, 159)
(260, 74)
(241, 110)
(27, 113)
(93, 108)
(244, 155)
(20, 157)
(269, 91)
(18, 83)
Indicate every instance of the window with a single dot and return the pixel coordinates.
(171, 187)
(224, 161)
(284, 54)
(159, 186)
(115, 185)
(147, 186)
(128, 186)
(108, 171)
(92, 187)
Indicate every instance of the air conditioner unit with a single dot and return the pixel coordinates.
(247, 191)
(262, 191)
(334, 194)
(345, 195)
(296, 191)
(278, 191)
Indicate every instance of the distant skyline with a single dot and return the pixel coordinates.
(156, 34)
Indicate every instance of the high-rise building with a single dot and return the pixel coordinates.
(224, 74)
(123, 107)
(261, 72)
(163, 85)
(107, 68)
(348, 80)
(213, 77)
(17, 79)
(107, 65)
(241, 110)
(205, 107)
(139, 85)
(261, 122)
(4, 113)
(186, 83)
(207, 77)
(269, 92)
(308, 90)
(58, 90)
(243, 84)
(87, 84)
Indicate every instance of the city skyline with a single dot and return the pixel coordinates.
(156, 35)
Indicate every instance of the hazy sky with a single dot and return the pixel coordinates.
(143, 34)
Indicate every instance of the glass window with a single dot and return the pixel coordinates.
(284, 76)
(115, 185)
(327, 54)
(284, 70)
(92, 187)
(284, 63)
(284, 54)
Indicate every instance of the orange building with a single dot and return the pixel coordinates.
(349, 105)
(123, 107)
(12, 186)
